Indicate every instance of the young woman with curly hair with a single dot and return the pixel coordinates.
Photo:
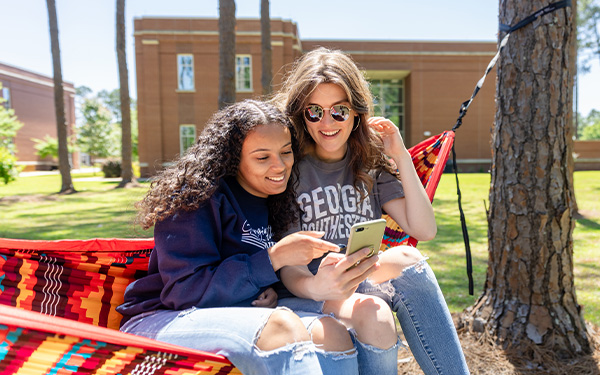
(346, 176)
(217, 213)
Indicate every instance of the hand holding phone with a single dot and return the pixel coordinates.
(366, 234)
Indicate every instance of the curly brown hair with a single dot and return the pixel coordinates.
(195, 176)
(332, 66)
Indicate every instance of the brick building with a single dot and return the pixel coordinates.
(31, 96)
(418, 84)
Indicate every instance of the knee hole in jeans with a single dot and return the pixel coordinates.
(283, 327)
(331, 335)
(374, 323)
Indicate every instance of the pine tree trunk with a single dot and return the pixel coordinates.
(127, 176)
(59, 103)
(529, 295)
(267, 51)
(226, 52)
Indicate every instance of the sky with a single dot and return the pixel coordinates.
(87, 31)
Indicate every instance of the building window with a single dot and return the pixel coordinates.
(389, 100)
(243, 73)
(187, 137)
(185, 72)
(6, 96)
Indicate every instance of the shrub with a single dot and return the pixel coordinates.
(111, 168)
(9, 170)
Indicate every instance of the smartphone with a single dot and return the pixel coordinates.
(366, 234)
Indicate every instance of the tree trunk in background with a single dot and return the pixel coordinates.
(59, 103)
(573, 135)
(265, 38)
(226, 52)
(127, 176)
(529, 295)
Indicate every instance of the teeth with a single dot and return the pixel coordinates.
(277, 179)
(334, 132)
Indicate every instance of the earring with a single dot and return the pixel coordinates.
(357, 124)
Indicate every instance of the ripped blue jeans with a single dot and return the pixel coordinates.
(371, 360)
(233, 333)
(416, 298)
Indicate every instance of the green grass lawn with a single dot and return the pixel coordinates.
(31, 209)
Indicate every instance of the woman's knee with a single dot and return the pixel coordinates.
(282, 328)
(331, 335)
(374, 322)
(394, 261)
(411, 254)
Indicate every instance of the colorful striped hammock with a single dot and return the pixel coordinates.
(58, 299)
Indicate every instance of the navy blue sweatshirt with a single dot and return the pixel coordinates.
(215, 256)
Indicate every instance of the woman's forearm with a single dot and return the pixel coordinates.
(297, 280)
(418, 212)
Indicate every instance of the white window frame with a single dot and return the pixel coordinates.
(185, 67)
(186, 139)
(240, 83)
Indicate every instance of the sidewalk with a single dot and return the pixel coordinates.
(73, 171)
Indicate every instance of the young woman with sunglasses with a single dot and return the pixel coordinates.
(345, 177)
(216, 213)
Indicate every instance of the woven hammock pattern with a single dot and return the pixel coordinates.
(57, 312)
(84, 286)
(31, 351)
(429, 158)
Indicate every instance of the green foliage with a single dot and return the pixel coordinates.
(111, 168)
(9, 170)
(112, 101)
(589, 128)
(49, 147)
(98, 136)
(46, 147)
(588, 35)
(8, 126)
(134, 134)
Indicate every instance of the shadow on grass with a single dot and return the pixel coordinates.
(588, 223)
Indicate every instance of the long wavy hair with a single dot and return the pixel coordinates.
(332, 66)
(195, 176)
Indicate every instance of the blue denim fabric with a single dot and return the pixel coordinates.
(233, 332)
(417, 300)
(371, 360)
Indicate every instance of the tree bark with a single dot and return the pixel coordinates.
(226, 52)
(127, 177)
(529, 294)
(267, 51)
(59, 104)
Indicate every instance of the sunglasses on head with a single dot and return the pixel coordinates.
(314, 112)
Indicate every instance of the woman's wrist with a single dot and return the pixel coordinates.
(274, 258)
(401, 155)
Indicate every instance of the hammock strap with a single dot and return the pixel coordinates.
(465, 105)
(463, 224)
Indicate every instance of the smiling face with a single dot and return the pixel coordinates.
(266, 160)
(330, 136)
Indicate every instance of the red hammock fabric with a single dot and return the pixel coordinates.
(429, 158)
(58, 299)
(57, 311)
